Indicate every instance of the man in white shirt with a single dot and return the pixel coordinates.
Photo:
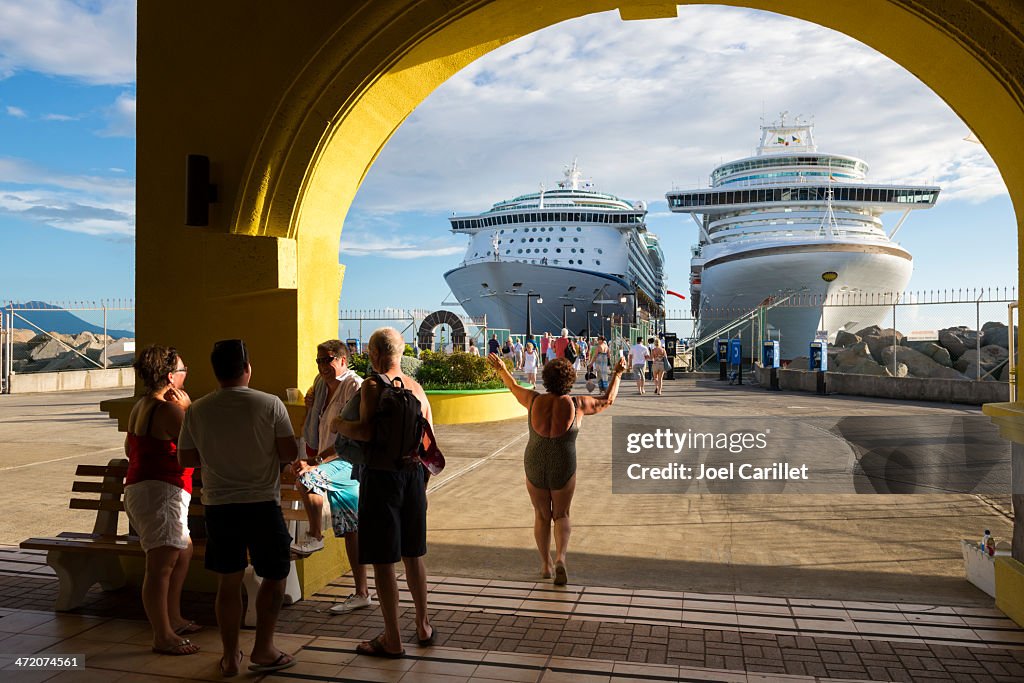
(638, 357)
(241, 437)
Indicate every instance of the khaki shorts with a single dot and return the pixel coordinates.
(158, 512)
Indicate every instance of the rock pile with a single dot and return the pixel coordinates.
(44, 353)
(955, 355)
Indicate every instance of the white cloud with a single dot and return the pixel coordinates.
(92, 205)
(59, 117)
(120, 117)
(382, 237)
(647, 106)
(93, 42)
(16, 112)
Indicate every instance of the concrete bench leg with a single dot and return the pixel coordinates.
(77, 572)
(251, 583)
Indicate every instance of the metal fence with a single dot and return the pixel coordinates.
(973, 324)
(59, 336)
(360, 323)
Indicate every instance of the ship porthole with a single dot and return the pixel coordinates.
(829, 276)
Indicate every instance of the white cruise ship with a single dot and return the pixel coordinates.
(571, 252)
(793, 224)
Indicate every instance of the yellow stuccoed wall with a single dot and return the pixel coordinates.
(292, 101)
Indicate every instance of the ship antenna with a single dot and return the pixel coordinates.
(541, 204)
(828, 226)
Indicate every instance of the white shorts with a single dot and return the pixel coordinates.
(158, 512)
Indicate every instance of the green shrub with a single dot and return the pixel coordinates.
(457, 371)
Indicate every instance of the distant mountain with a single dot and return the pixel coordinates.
(56, 319)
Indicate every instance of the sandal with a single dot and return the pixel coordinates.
(561, 577)
(181, 648)
(429, 640)
(283, 661)
(224, 672)
(375, 648)
(188, 629)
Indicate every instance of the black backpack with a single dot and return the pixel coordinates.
(398, 427)
(570, 352)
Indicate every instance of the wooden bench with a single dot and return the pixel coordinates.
(82, 560)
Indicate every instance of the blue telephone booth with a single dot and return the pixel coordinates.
(770, 354)
(818, 356)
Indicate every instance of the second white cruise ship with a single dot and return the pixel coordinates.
(793, 223)
(570, 254)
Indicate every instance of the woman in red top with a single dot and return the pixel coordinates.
(157, 494)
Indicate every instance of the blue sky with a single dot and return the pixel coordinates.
(645, 106)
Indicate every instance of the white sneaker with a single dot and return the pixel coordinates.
(307, 545)
(352, 603)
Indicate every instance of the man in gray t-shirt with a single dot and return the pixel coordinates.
(241, 437)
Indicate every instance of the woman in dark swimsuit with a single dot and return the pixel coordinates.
(550, 457)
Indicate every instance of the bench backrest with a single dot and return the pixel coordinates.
(110, 501)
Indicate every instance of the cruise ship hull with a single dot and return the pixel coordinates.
(503, 299)
(734, 285)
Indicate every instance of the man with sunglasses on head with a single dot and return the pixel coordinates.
(241, 437)
(326, 474)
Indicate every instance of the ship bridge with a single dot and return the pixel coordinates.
(877, 199)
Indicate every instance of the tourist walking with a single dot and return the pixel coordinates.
(600, 359)
(493, 344)
(658, 359)
(392, 504)
(517, 348)
(638, 357)
(554, 419)
(325, 474)
(241, 437)
(157, 494)
(561, 344)
(531, 361)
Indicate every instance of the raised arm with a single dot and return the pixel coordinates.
(591, 405)
(522, 394)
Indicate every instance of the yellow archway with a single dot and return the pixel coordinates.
(292, 103)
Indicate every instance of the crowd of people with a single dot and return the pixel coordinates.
(239, 441)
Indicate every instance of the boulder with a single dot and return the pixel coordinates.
(996, 334)
(19, 336)
(990, 358)
(852, 355)
(937, 353)
(957, 340)
(917, 364)
(872, 331)
(866, 366)
(46, 349)
(885, 339)
(844, 339)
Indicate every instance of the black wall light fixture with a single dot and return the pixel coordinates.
(199, 193)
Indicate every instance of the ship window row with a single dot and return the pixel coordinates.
(789, 194)
(790, 174)
(767, 162)
(545, 261)
(548, 217)
(538, 239)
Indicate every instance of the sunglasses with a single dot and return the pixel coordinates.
(181, 369)
(325, 360)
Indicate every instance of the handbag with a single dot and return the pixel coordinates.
(667, 363)
(590, 374)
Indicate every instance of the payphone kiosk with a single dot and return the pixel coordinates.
(736, 358)
(770, 360)
(671, 341)
(818, 359)
(722, 347)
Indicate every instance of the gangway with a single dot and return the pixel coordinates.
(742, 320)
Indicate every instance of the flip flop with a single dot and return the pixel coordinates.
(181, 649)
(429, 640)
(277, 665)
(224, 670)
(188, 629)
(375, 648)
(561, 577)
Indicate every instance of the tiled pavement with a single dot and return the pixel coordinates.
(519, 631)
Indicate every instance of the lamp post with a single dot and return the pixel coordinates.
(622, 300)
(529, 325)
(591, 314)
(565, 306)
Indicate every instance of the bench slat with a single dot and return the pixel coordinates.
(97, 487)
(101, 471)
